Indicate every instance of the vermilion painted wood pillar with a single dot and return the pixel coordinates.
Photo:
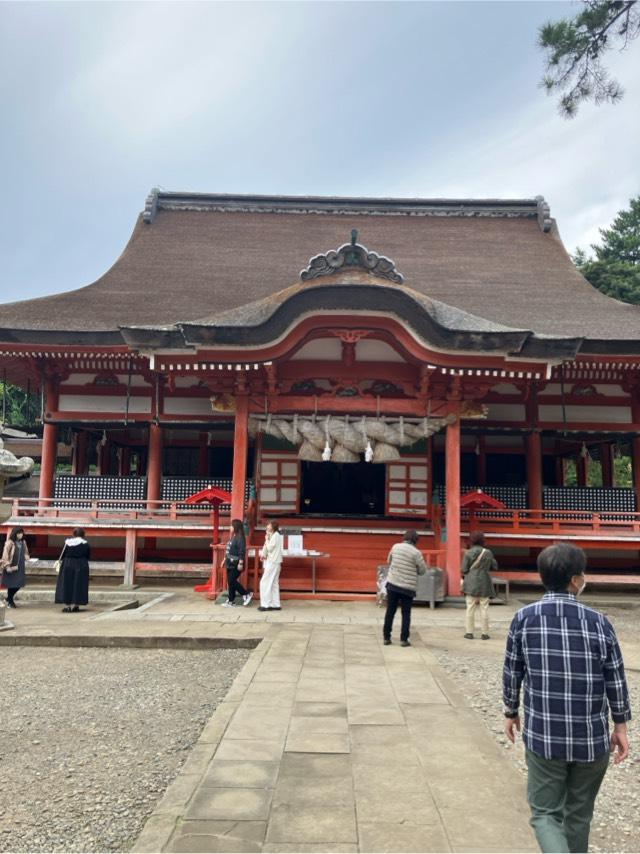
(104, 458)
(635, 457)
(203, 454)
(635, 447)
(154, 463)
(125, 462)
(49, 440)
(606, 461)
(79, 463)
(582, 469)
(452, 463)
(534, 470)
(240, 448)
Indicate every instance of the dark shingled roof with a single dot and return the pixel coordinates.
(194, 256)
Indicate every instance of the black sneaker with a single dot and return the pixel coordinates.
(405, 643)
(469, 636)
(485, 637)
(387, 641)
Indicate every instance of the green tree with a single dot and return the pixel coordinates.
(575, 47)
(16, 406)
(615, 269)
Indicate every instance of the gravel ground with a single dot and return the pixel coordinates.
(616, 821)
(91, 738)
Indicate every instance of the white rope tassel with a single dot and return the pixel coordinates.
(326, 454)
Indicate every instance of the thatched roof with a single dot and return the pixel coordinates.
(203, 259)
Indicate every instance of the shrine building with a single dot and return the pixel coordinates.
(350, 366)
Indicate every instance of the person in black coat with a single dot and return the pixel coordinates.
(234, 563)
(72, 588)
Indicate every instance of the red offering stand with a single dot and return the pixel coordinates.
(215, 496)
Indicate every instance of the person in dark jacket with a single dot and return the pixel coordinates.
(14, 556)
(234, 564)
(405, 565)
(72, 587)
(477, 565)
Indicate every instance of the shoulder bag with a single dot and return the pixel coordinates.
(58, 564)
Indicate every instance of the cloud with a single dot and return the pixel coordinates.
(588, 168)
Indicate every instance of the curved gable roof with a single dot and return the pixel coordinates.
(194, 256)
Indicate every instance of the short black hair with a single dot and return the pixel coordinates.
(411, 536)
(476, 538)
(78, 532)
(558, 564)
(14, 533)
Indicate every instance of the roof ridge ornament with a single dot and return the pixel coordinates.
(151, 206)
(349, 256)
(544, 214)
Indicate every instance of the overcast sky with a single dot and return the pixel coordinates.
(102, 101)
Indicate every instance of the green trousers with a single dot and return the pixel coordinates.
(561, 796)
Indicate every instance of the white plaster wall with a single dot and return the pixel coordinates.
(188, 406)
(586, 414)
(103, 403)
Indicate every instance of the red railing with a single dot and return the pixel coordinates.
(554, 521)
(86, 509)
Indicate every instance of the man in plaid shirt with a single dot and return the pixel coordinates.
(568, 658)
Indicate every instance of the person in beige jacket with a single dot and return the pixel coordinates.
(14, 556)
(405, 565)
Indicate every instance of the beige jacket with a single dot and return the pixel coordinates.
(8, 552)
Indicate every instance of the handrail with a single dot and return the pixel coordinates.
(90, 508)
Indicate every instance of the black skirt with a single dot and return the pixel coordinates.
(72, 587)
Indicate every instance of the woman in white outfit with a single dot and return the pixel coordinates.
(271, 555)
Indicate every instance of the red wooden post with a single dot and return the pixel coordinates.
(104, 458)
(452, 453)
(635, 456)
(154, 464)
(49, 442)
(606, 460)
(125, 462)
(130, 555)
(534, 470)
(240, 447)
(582, 469)
(79, 462)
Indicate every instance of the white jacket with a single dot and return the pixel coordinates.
(272, 550)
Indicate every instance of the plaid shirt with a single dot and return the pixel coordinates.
(568, 657)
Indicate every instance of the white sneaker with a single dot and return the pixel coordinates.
(228, 604)
(247, 598)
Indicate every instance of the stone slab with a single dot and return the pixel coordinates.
(303, 824)
(230, 804)
(317, 742)
(229, 773)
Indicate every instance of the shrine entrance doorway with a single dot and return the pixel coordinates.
(342, 489)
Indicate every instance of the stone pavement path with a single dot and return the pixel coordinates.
(330, 741)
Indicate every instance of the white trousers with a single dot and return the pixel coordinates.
(473, 602)
(270, 586)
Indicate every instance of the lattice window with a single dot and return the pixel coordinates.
(407, 492)
(279, 482)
